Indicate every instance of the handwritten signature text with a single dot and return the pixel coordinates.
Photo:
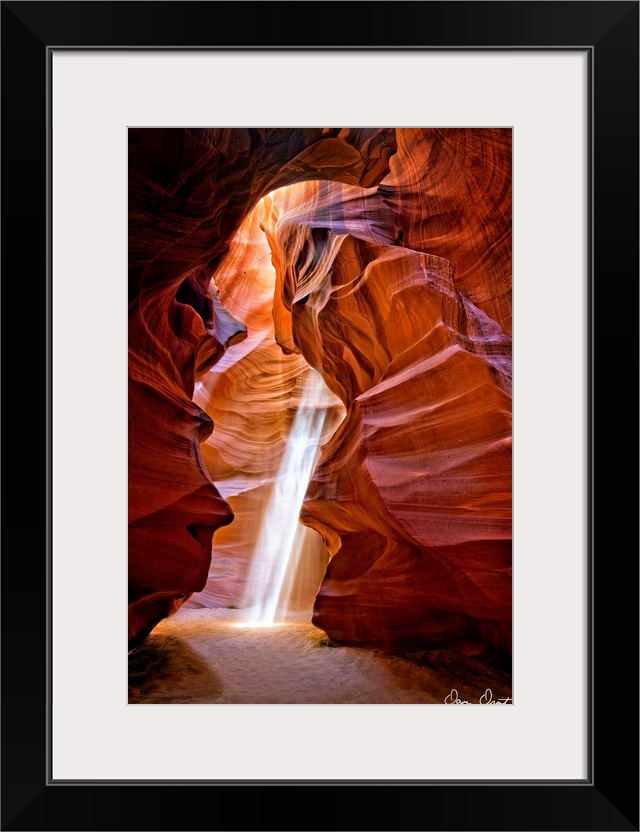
(487, 698)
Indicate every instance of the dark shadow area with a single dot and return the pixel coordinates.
(163, 669)
(473, 681)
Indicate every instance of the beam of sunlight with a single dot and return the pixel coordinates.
(277, 536)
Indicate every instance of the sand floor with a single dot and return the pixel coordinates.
(203, 656)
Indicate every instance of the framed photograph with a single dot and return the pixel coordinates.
(352, 242)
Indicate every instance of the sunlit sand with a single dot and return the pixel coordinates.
(201, 656)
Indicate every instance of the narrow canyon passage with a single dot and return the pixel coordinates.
(206, 656)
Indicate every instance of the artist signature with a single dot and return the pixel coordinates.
(485, 699)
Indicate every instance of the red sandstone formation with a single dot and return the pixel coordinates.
(394, 281)
(189, 191)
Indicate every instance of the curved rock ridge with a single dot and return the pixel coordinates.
(412, 494)
(189, 191)
(300, 257)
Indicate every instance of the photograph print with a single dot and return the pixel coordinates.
(319, 415)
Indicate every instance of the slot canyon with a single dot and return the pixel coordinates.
(320, 387)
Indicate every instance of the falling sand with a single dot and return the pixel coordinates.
(208, 656)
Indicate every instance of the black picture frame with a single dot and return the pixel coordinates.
(608, 798)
